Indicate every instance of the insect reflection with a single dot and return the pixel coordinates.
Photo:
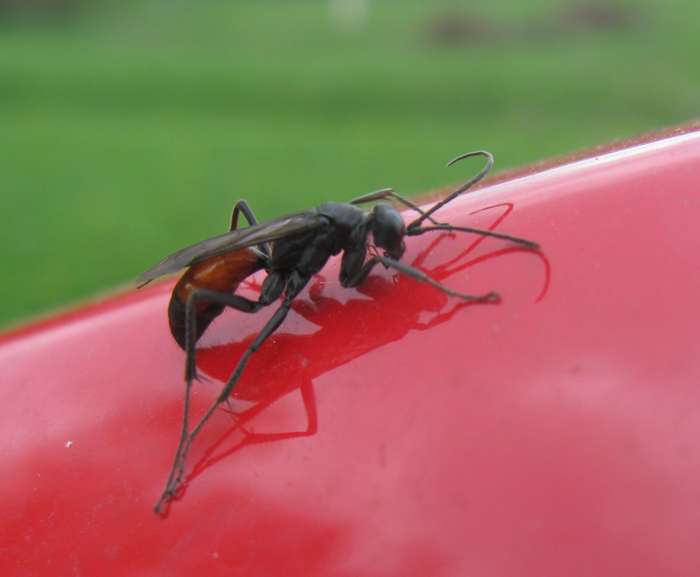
(290, 364)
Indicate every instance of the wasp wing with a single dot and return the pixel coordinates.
(234, 240)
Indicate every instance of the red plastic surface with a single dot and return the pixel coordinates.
(392, 431)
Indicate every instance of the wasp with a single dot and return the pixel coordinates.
(291, 249)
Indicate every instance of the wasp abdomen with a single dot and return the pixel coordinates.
(222, 274)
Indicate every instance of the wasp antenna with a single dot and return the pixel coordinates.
(467, 185)
(485, 153)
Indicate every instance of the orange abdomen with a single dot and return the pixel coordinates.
(222, 273)
(219, 273)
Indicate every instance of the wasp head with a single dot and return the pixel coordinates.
(388, 230)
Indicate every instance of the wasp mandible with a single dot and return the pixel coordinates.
(291, 249)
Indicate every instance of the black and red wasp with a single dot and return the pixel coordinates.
(291, 249)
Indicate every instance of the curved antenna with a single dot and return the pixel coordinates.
(471, 182)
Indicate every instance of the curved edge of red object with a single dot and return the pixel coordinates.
(392, 430)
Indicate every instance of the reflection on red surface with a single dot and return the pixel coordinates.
(413, 435)
(387, 308)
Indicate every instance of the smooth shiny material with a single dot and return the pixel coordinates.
(392, 430)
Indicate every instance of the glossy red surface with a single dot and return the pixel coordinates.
(392, 430)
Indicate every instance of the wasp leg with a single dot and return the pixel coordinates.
(359, 277)
(420, 276)
(389, 193)
(448, 227)
(229, 300)
(243, 207)
(177, 472)
(234, 301)
(271, 326)
(175, 479)
(373, 196)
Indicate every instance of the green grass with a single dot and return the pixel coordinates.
(128, 134)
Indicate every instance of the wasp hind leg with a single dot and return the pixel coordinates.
(390, 193)
(224, 299)
(177, 473)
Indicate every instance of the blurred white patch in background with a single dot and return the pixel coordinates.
(349, 16)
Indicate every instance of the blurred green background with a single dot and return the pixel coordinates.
(129, 129)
